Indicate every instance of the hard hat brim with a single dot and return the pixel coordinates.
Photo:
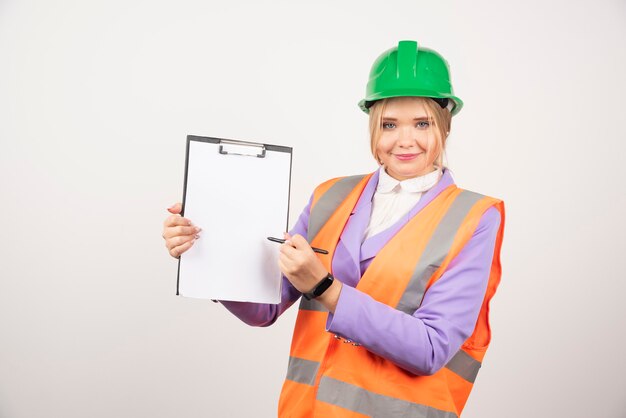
(365, 104)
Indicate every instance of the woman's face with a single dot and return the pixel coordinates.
(408, 144)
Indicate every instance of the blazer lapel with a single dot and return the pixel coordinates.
(374, 244)
(349, 246)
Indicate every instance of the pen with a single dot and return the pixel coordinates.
(282, 241)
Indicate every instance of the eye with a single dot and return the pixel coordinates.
(388, 125)
(423, 124)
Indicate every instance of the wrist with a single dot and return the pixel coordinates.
(330, 298)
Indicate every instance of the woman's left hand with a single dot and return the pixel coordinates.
(299, 263)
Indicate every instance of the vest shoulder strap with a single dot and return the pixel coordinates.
(326, 198)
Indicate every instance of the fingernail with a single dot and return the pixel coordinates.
(197, 229)
(197, 236)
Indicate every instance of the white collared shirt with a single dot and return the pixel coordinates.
(394, 198)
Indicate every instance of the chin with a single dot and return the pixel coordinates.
(407, 174)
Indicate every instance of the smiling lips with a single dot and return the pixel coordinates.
(405, 157)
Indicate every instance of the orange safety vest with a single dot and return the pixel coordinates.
(327, 378)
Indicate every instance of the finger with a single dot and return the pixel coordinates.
(288, 251)
(299, 242)
(286, 258)
(176, 231)
(176, 208)
(288, 239)
(284, 268)
(176, 252)
(180, 240)
(176, 220)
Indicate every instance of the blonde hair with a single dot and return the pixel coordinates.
(441, 119)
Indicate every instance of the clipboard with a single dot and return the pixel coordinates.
(238, 193)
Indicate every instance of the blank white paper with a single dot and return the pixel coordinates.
(238, 201)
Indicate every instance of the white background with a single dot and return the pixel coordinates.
(97, 97)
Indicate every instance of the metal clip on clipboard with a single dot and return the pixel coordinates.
(250, 149)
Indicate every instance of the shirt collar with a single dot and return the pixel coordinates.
(420, 184)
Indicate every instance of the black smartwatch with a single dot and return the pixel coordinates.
(320, 287)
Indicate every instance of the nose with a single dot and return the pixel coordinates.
(407, 138)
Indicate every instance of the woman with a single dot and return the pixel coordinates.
(401, 325)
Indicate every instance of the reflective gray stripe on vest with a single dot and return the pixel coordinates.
(302, 371)
(464, 365)
(436, 250)
(328, 203)
(362, 401)
(311, 305)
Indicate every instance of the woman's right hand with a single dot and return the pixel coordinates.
(178, 232)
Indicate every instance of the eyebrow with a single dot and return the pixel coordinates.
(416, 119)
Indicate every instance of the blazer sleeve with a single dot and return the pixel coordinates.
(424, 342)
(265, 314)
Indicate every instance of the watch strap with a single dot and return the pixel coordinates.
(320, 288)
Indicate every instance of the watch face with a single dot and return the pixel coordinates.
(325, 284)
(320, 288)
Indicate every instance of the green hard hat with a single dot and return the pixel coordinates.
(409, 70)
